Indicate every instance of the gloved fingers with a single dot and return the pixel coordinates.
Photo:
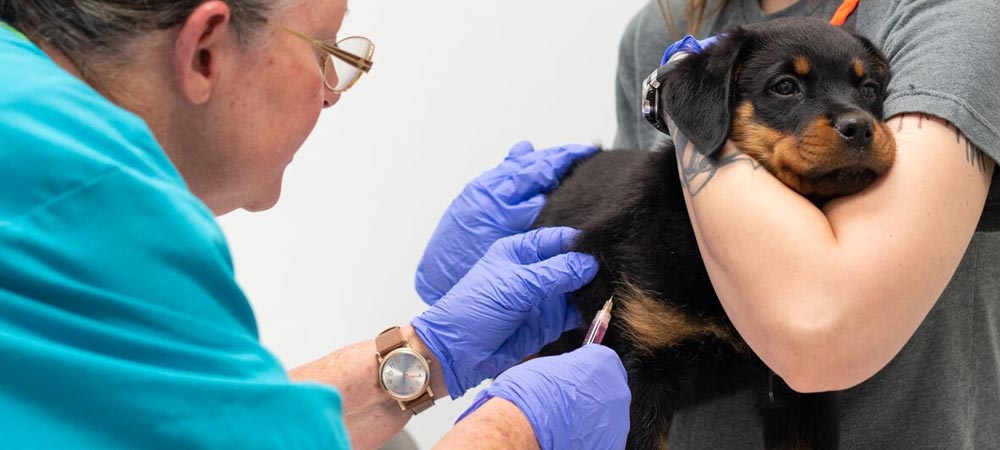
(599, 373)
(519, 149)
(536, 245)
(522, 215)
(562, 274)
(540, 176)
(546, 282)
(562, 156)
(606, 362)
(426, 286)
(605, 383)
(541, 326)
(576, 400)
(448, 258)
(541, 171)
(516, 159)
(572, 319)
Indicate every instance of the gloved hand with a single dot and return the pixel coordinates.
(499, 203)
(577, 400)
(510, 304)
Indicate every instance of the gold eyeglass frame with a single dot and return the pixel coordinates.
(362, 63)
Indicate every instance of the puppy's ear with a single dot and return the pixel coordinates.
(700, 91)
(878, 59)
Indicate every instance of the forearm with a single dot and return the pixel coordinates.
(827, 297)
(498, 424)
(371, 416)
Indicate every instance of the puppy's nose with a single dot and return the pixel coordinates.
(855, 128)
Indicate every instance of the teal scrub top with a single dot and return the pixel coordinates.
(121, 324)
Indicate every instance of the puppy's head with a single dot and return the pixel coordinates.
(799, 95)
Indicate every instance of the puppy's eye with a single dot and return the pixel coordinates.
(869, 90)
(785, 87)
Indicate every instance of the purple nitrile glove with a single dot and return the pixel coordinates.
(689, 44)
(509, 305)
(499, 203)
(577, 400)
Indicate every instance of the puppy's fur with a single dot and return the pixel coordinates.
(802, 98)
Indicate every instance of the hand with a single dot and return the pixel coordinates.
(499, 203)
(577, 400)
(510, 304)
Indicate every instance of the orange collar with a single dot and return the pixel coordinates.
(843, 12)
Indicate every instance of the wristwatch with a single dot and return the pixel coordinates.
(403, 373)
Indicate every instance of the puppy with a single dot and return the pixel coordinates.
(803, 99)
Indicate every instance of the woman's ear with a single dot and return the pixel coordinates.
(198, 50)
(701, 91)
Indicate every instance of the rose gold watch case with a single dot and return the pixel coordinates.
(424, 364)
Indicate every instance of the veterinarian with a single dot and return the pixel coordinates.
(890, 297)
(124, 128)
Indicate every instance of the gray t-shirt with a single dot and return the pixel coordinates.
(942, 391)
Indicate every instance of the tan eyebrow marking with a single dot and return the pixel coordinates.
(801, 64)
(859, 68)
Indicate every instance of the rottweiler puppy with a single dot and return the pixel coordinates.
(803, 99)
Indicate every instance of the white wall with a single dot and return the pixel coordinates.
(453, 86)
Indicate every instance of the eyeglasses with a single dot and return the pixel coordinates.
(344, 62)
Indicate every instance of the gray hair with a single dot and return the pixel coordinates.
(87, 29)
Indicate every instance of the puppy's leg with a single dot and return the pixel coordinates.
(652, 405)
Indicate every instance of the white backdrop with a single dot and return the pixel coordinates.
(453, 86)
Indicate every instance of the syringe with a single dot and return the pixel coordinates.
(600, 324)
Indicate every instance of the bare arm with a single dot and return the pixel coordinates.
(827, 297)
(497, 425)
(372, 417)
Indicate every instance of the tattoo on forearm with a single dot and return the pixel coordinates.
(697, 169)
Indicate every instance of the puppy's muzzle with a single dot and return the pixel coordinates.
(855, 130)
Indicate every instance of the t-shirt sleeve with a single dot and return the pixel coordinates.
(945, 61)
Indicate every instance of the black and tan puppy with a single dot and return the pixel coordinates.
(802, 98)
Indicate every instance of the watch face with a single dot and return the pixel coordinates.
(404, 374)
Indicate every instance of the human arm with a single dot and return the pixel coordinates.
(502, 418)
(827, 297)
(371, 416)
(497, 425)
(834, 294)
(577, 400)
(499, 203)
(508, 306)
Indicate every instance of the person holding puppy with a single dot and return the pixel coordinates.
(888, 297)
(126, 127)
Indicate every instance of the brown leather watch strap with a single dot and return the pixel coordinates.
(420, 404)
(388, 340)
